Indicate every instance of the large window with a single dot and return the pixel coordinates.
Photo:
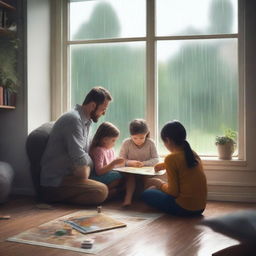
(182, 64)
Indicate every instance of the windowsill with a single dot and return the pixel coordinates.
(215, 161)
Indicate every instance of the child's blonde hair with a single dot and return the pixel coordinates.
(106, 129)
(139, 126)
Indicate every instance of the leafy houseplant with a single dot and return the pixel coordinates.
(226, 144)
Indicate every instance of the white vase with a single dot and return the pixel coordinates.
(225, 151)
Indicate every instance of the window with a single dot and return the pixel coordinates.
(184, 66)
(197, 64)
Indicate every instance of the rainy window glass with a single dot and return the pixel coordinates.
(196, 17)
(96, 19)
(196, 56)
(198, 79)
(120, 68)
(198, 85)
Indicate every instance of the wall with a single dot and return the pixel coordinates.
(38, 52)
(13, 128)
(33, 101)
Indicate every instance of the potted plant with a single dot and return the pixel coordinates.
(226, 144)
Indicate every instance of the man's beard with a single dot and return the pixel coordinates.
(94, 117)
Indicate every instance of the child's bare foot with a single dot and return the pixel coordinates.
(126, 204)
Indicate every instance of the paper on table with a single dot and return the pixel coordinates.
(146, 170)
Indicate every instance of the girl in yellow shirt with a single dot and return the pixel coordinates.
(185, 192)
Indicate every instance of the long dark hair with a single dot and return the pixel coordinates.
(176, 132)
(106, 129)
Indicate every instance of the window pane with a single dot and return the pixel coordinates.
(197, 17)
(96, 19)
(198, 85)
(119, 67)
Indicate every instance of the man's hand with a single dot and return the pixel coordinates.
(134, 163)
(82, 171)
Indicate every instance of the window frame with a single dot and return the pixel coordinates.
(60, 94)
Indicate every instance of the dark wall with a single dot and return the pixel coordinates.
(13, 123)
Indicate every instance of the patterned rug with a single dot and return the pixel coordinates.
(55, 233)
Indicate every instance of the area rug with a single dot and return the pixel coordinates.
(50, 234)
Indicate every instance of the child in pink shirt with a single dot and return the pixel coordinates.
(103, 156)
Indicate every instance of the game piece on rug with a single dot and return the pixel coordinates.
(44, 206)
(60, 232)
(99, 208)
(68, 229)
(87, 244)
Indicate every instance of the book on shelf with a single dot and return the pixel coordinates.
(1, 17)
(12, 98)
(1, 95)
(7, 97)
(5, 20)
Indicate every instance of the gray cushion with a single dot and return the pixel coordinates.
(6, 177)
(35, 145)
(240, 225)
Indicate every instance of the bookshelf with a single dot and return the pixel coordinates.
(7, 6)
(8, 29)
(5, 18)
(7, 107)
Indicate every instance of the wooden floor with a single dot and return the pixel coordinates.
(167, 235)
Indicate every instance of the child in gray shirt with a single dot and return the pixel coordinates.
(138, 151)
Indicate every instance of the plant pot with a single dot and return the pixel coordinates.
(225, 151)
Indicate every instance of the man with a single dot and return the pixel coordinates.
(66, 162)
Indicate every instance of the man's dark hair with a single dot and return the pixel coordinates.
(97, 95)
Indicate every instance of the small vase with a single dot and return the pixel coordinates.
(225, 151)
